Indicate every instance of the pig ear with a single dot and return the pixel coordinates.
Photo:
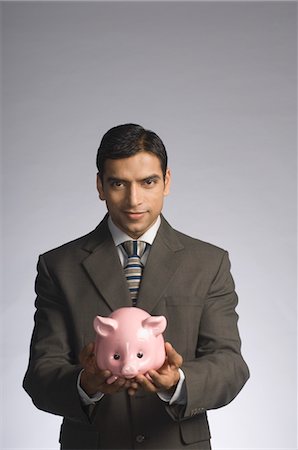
(104, 325)
(156, 323)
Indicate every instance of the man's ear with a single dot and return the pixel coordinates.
(99, 186)
(167, 182)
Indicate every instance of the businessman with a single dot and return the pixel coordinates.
(186, 280)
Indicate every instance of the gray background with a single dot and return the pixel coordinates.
(217, 81)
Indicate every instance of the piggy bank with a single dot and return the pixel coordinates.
(129, 342)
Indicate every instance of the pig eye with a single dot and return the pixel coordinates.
(140, 355)
(116, 356)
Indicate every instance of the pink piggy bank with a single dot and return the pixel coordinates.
(129, 342)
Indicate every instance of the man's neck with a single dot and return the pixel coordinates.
(120, 236)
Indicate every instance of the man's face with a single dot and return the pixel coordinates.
(134, 190)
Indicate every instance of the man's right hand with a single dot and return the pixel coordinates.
(94, 380)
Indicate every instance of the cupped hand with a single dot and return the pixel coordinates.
(165, 378)
(94, 379)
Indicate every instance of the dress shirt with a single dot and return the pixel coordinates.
(119, 237)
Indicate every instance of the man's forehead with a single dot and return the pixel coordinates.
(141, 162)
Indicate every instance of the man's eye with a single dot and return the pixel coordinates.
(150, 182)
(140, 355)
(117, 184)
(116, 356)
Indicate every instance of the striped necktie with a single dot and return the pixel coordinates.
(134, 268)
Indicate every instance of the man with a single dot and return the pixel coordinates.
(184, 279)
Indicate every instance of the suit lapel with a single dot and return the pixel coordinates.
(163, 261)
(104, 268)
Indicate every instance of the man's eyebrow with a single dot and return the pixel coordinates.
(122, 180)
(152, 177)
(114, 179)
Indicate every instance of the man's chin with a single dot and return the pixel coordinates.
(136, 231)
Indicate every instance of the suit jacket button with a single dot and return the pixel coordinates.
(140, 438)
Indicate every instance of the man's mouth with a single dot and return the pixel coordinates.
(135, 214)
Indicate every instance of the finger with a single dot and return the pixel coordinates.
(86, 353)
(92, 382)
(165, 380)
(155, 378)
(173, 357)
(112, 386)
(111, 380)
(131, 392)
(104, 374)
(119, 383)
(131, 384)
(146, 384)
(132, 387)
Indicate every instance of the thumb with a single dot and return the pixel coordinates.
(174, 358)
(86, 353)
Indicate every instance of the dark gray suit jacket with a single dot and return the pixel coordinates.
(186, 280)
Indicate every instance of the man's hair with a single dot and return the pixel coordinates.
(126, 140)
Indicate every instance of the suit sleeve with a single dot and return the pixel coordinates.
(218, 373)
(51, 377)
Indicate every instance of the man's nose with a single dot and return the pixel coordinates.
(134, 196)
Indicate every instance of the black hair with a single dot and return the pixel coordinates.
(126, 140)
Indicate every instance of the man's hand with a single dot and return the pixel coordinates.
(165, 378)
(94, 380)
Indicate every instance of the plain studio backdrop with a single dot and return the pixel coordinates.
(217, 82)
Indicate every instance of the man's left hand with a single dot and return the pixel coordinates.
(165, 378)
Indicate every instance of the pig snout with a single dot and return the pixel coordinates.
(129, 371)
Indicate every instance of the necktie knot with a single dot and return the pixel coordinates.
(134, 248)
